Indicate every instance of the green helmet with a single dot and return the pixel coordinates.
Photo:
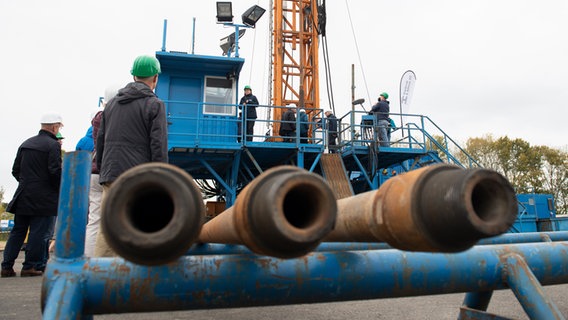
(384, 94)
(247, 87)
(145, 66)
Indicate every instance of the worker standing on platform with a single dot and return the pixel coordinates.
(381, 110)
(304, 126)
(288, 124)
(331, 131)
(249, 102)
(133, 131)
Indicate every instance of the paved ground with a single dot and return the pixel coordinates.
(20, 300)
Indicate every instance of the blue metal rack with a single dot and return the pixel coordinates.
(78, 287)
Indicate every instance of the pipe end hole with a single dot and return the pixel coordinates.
(151, 210)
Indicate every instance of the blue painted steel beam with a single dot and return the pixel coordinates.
(526, 237)
(73, 205)
(198, 282)
(316, 161)
(364, 172)
(528, 290)
(478, 300)
(508, 238)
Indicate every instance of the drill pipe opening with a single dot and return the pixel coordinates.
(300, 207)
(487, 200)
(151, 209)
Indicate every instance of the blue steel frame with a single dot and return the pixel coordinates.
(78, 287)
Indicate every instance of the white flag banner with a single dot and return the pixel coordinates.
(407, 82)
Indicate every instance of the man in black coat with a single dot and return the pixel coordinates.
(37, 169)
(288, 125)
(249, 102)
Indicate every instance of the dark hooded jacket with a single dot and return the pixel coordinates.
(133, 131)
(37, 169)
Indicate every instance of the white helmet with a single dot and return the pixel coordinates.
(292, 105)
(111, 91)
(50, 118)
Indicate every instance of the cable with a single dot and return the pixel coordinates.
(328, 82)
(357, 48)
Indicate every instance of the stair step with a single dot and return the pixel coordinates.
(336, 176)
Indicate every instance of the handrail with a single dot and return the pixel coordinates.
(419, 131)
(418, 134)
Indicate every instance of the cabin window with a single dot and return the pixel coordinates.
(219, 97)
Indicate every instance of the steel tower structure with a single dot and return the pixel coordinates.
(295, 56)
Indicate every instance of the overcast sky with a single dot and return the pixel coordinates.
(482, 67)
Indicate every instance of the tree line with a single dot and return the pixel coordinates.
(530, 169)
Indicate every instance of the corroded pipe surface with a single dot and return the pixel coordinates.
(152, 214)
(440, 208)
(285, 212)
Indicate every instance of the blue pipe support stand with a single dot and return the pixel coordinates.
(113, 285)
(75, 285)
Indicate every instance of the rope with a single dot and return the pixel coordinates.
(357, 48)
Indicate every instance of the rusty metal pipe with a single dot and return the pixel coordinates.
(285, 212)
(440, 208)
(152, 214)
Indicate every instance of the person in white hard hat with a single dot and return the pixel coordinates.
(96, 189)
(37, 168)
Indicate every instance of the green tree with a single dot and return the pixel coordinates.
(482, 150)
(3, 214)
(520, 163)
(554, 176)
(537, 169)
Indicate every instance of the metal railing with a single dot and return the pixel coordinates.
(418, 132)
(195, 127)
(356, 129)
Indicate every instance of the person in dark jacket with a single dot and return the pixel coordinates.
(249, 102)
(304, 126)
(288, 124)
(381, 110)
(133, 131)
(331, 131)
(37, 169)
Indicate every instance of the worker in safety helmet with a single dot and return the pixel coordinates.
(133, 131)
(381, 110)
(249, 102)
(37, 168)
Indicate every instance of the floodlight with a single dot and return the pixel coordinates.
(251, 16)
(358, 101)
(228, 42)
(224, 12)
